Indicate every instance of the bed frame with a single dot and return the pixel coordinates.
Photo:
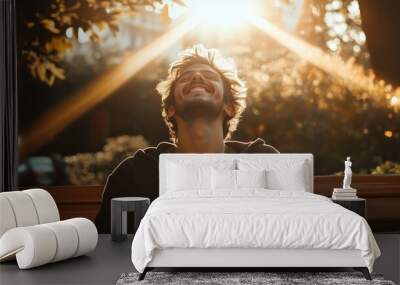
(244, 259)
(250, 258)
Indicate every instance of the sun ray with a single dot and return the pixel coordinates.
(352, 75)
(54, 121)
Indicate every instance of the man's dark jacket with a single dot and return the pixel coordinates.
(137, 175)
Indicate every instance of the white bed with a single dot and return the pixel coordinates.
(282, 224)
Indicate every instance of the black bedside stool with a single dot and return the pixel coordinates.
(119, 208)
(357, 205)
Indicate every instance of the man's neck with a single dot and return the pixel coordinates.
(200, 136)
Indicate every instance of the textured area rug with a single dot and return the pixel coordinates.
(229, 278)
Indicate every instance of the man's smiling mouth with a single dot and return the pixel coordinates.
(203, 87)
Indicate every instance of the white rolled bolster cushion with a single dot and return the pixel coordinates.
(26, 208)
(45, 243)
(31, 231)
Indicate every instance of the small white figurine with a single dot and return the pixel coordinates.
(347, 174)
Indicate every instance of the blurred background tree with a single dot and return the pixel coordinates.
(93, 168)
(50, 26)
(388, 167)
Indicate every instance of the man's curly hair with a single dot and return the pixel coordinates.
(235, 90)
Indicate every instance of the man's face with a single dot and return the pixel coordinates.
(199, 91)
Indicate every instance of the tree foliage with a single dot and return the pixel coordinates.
(388, 167)
(93, 168)
(50, 27)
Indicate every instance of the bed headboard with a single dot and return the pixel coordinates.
(218, 158)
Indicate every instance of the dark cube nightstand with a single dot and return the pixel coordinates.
(119, 208)
(357, 205)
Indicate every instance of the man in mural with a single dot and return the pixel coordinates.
(202, 100)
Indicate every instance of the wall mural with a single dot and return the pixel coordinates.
(89, 71)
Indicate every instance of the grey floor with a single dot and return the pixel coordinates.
(110, 259)
(103, 266)
(388, 264)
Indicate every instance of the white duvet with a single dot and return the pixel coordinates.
(250, 219)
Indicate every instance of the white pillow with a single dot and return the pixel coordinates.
(181, 178)
(222, 164)
(291, 180)
(251, 178)
(227, 179)
(214, 163)
(281, 174)
(223, 179)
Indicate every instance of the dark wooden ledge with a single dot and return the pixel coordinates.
(381, 191)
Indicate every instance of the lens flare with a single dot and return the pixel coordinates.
(221, 13)
(394, 101)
